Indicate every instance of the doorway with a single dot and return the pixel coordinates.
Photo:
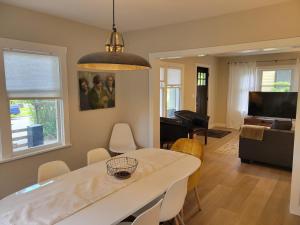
(202, 90)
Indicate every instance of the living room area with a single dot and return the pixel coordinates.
(253, 87)
(242, 106)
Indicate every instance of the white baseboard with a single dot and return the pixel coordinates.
(295, 210)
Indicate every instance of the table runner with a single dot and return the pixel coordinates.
(54, 200)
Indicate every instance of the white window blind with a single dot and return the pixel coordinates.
(174, 76)
(31, 75)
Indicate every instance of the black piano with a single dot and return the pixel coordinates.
(194, 122)
(171, 129)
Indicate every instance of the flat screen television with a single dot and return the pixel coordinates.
(273, 104)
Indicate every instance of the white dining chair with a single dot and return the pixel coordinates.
(148, 217)
(121, 140)
(97, 155)
(52, 169)
(172, 204)
(173, 201)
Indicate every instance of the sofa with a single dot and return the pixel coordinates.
(276, 148)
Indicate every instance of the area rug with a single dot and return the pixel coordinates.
(214, 133)
(229, 148)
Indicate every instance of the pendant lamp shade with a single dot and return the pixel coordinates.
(114, 57)
(113, 61)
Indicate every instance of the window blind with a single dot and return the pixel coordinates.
(31, 75)
(174, 76)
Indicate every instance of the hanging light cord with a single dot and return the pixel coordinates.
(114, 25)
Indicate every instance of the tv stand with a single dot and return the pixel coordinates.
(260, 121)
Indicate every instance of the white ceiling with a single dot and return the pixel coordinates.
(138, 14)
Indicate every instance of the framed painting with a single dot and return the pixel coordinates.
(96, 90)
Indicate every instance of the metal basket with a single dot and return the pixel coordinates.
(121, 167)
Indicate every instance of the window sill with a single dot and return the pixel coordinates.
(29, 154)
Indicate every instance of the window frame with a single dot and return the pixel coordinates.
(166, 66)
(6, 145)
(293, 86)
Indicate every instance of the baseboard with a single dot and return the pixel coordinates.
(295, 210)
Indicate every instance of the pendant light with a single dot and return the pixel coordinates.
(114, 58)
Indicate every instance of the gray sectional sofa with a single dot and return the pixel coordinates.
(276, 148)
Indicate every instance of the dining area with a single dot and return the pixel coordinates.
(122, 185)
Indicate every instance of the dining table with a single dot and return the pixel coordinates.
(90, 196)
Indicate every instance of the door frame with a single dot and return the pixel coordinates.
(209, 102)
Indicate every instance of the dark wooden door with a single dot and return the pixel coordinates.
(202, 90)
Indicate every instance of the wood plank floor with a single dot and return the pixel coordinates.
(232, 193)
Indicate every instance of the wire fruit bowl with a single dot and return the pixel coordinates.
(121, 167)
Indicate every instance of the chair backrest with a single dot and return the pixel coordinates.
(150, 216)
(97, 155)
(52, 169)
(192, 147)
(121, 140)
(173, 200)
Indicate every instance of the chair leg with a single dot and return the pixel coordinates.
(176, 221)
(180, 219)
(181, 213)
(198, 198)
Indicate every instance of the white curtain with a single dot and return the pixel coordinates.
(242, 79)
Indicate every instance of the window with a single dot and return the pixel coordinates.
(201, 79)
(276, 80)
(35, 96)
(170, 90)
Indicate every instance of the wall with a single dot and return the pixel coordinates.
(223, 76)
(88, 129)
(190, 81)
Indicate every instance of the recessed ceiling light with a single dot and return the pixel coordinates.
(171, 57)
(249, 51)
(269, 49)
(201, 55)
(174, 57)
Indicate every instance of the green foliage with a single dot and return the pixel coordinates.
(44, 113)
(40, 112)
(281, 86)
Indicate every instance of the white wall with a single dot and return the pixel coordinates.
(295, 193)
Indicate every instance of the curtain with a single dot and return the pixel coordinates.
(242, 79)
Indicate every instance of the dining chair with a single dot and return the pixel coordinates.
(195, 148)
(97, 155)
(52, 169)
(121, 140)
(173, 201)
(148, 217)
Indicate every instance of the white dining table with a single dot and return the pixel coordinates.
(122, 203)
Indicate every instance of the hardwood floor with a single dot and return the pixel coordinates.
(232, 193)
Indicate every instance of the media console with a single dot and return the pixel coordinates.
(260, 121)
(267, 122)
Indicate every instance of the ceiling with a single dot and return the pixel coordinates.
(138, 14)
